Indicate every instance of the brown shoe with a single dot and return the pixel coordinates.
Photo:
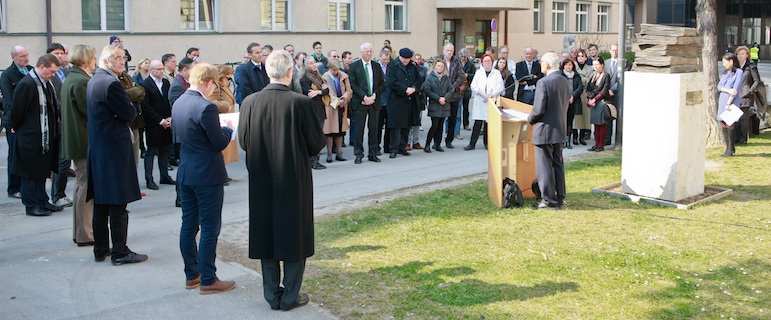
(408, 148)
(192, 284)
(219, 286)
(417, 146)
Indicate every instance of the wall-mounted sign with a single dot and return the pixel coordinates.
(494, 25)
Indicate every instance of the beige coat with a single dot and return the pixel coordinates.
(226, 103)
(337, 118)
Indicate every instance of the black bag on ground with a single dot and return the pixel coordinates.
(536, 189)
(512, 195)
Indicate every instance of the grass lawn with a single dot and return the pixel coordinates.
(452, 254)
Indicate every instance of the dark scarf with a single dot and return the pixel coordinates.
(314, 77)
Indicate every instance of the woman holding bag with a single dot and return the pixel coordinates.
(336, 124)
(597, 90)
(314, 86)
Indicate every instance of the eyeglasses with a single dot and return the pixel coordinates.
(229, 78)
(157, 69)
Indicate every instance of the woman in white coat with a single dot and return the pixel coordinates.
(487, 84)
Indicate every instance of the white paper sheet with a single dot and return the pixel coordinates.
(732, 115)
(233, 117)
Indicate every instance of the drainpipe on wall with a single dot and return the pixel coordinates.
(49, 36)
(621, 69)
(506, 27)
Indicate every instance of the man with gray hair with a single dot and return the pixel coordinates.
(279, 130)
(368, 84)
(549, 118)
(527, 73)
(8, 81)
(111, 171)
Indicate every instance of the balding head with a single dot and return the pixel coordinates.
(156, 69)
(20, 56)
(448, 50)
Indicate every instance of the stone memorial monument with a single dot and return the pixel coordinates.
(664, 116)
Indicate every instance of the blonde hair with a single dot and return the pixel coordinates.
(224, 70)
(202, 73)
(82, 54)
(141, 61)
(740, 48)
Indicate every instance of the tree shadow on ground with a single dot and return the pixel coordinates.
(737, 292)
(441, 286)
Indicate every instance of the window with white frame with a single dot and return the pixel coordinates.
(537, 15)
(603, 18)
(2, 15)
(340, 15)
(582, 17)
(558, 16)
(275, 15)
(103, 15)
(394, 19)
(196, 15)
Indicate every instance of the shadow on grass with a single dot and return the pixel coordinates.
(741, 155)
(441, 286)
(333, 253)
(738, 292)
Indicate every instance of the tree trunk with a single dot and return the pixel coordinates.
(706, 22)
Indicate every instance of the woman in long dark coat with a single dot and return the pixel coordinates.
(598, 90)
(438, 89)
(567, 66)
(314, 87)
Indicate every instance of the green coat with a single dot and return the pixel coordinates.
(75, 115)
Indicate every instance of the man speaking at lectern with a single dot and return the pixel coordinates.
(548, 118)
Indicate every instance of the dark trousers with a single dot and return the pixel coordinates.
(201, 206)
(435, 133)
(59, 180)
(352, 129)
(451, 122)
(117, 218)
(466, 108)
(382, 125)
(398, 139)
(550, 173)
(366, 118)
(163, 161)
(142, 140)
(742, 127)
(14, 181)
(174, 151)
(33, 193)
(528, 96)
(286, 297)
(480, 126)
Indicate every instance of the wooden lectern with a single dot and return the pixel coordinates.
(511, 153)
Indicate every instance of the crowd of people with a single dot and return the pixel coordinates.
(76, 108)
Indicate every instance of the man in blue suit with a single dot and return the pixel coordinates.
(201, 178)
(251, 76)
(111, 171)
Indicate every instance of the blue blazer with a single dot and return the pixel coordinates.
(202, 141)
(250, 79)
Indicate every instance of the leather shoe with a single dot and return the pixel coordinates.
(358, 160)
(302, 300)
(393, 155)
(469, 147)
(544, 205)
(592, 148)
(427, 149)
(70, 173)
(85, 244)
(417, 146)
(340, 158)
(39, 212)
(178, 203)
(53, 207)
(192, 284)
(408, 147)
(16, 195)
(174, 162)
(377, 153)
(373, 158)
(404, 153)
(318, 166)
(438, 148)
(449, 145)
(168, 180)
(218, 286)
(599, 149)
(132, 257)
(102, 257)
(151, 185)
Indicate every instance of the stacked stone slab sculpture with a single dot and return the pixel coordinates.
(667, 49)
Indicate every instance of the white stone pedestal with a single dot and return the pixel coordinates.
(664, 135)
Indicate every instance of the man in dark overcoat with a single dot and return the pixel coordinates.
(36, 120)
(404, 81)
(156, 111)
(368, 85)
(549, 118)
(279, 130)
(8, 81)
(111, 171)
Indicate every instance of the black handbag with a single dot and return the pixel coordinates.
(512, 194)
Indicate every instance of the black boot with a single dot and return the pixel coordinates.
(574, 133)
(582, 136)
(427, 147)
(567, 143)
(729, 142)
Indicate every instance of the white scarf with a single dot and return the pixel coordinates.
(570, 74)
(43, 109)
